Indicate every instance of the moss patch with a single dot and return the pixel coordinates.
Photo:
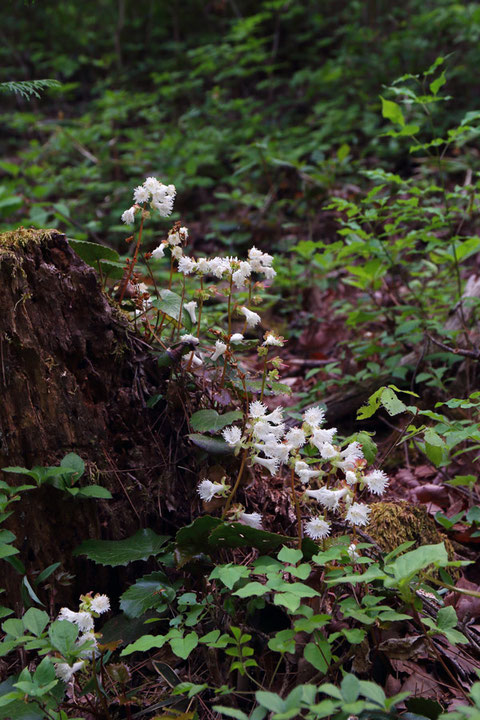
(392, 524)
(23, 237)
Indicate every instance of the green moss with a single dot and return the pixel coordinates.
(23, 237)
(392, 524)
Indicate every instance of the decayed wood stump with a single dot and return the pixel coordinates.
(73, 379)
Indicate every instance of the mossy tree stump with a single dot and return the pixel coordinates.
(73, 379)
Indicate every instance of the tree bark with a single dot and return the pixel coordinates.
(74, 378)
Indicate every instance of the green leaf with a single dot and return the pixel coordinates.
(230, 712)
(392, 404)
(45, 672)
(251, 589)
(290, 555)
(63, 635)
(210, 420)
(213, 445)
(183, 646)
(14, 627)
(271, 701)
(35, 621)
(150, 591)
(283, 641)
(146, 643)
(438, 83)
(91, 253)
(237, 535)
(121, 552)
(350, 688)
(392, 111)
(319, 655)
(229, 574)
(170, 303)
(409, 564)
(73, 462)
(193, 538)
(95, 491)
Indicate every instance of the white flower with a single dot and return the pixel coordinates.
(128, 217)
(195, 360)
(352, 552)
(65, 672)
(159, 251)
(320, 437)
(186, 265)
(190, 308)
(376, 481)
(177, 252)
(257, 409)
(218, 266)
(207, 489)
(164, 206)
(271, 464)
(295, 438)
(272, 339)
(314, 416)
(328, 451)
(90, 641)
(317, 528)
(268, 272)
(253, 520)
(351, 454)
(240, 276)
(174, 238)
(202, 266)
(273, 449)
(232, 435)
(259, 260)
(350, 477)
(183, 232)
(67, 614)
(189, 339)
(264, 431)
(220, 349)
(141, 194)
(327, 498)
(236, 338)
(358, 514)
(304, 472)
(251, 317)
(152, 185)
(275, 417)
(100, 604)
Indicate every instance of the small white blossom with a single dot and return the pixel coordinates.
(183, 232)
(272, 339)
(218, 266)
(177, 252)
(314, 416)
(352, 553)
(232, 435)
(271, 464)
(159, 251)
(351, 454)
(295, 438)
(65, 672)
(320, 437)
(268, 272)
(90, 642)
(253, 520)
(190, 308)
(82, 619)
(186, 265)
(195, 360)
(220, 349)
(67, 614)
(251, 317)
(236, 338)
(264, 431)
(351, 477)
(358, 514)
(207, 490)
(128, 217)
(376, 481)
(304, 472)
(202, 266)
(152, 185)
(275, 417)
(327, 498)
(240, 276)
(100, 604)
(328, 451)
(317, 528)
(141, 194)
(188, 338)
(273, 449)
(174, 238)
(164, 206)
(257, 409)
(259, 260)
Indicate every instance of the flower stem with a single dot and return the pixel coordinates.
(264, 376)
(132, 264)
(297, 509)
(237, 483)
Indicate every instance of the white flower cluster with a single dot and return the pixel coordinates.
(89, 609)
(176, 236)
(230, 267)
(161, 197)
(272, 446)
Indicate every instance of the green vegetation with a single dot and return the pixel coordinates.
(319, 162)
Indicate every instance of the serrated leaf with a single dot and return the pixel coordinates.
(121, 552)
(211, 421)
